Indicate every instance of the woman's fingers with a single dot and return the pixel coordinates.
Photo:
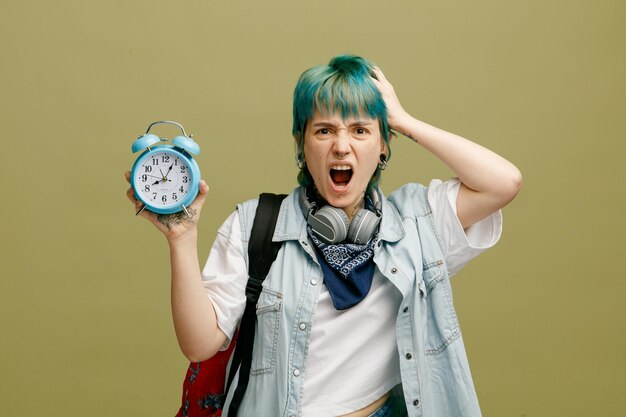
(379, 74)
(203, 191)
(131, 195)
(138, 204)
(381, 82)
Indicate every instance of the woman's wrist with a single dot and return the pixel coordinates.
(403, 124)
(186, 238)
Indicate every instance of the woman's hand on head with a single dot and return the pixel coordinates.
(173, 226)
(396, 115)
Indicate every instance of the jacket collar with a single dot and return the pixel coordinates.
(291, 224)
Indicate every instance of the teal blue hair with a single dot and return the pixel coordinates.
(344, 85)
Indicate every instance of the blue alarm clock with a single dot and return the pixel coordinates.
(165, 177)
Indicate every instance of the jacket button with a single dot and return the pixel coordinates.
(408, 356)
(296, 372)
(302, 326)
(405, 310)
(380, 243)
(416, 403)
(394, 270)
(313, 281)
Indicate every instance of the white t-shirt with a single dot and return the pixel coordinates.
(340, 379)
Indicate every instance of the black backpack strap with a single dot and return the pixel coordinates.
(261, 254)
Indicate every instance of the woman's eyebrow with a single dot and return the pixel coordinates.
(361, 123)
(323, 124)
(351, 124)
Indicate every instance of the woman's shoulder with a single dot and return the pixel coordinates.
(410, 199)
(246, 211)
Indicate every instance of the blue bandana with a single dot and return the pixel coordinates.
(348, 270)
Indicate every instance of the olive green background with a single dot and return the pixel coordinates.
(84, 294)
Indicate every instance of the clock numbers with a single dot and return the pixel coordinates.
(163, 186)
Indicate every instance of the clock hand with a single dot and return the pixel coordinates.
(168, 171)
(153, 176)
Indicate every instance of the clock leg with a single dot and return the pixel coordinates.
(186, 212)
(140, 210)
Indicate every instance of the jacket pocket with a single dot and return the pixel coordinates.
(268, 318)
(442, 325)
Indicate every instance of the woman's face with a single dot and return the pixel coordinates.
(341, 156)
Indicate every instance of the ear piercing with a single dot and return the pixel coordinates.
(383, 162)
(300, 161)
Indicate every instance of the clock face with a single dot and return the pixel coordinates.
(162, 179)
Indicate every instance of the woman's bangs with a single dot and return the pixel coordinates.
(345, 96)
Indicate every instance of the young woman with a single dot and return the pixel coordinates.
(356, 315)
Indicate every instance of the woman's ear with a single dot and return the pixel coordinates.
(300, 161)
(298, 137)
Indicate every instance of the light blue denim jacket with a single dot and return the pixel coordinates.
(436, 379)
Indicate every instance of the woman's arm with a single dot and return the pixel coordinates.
(194, 317)
(488, 181)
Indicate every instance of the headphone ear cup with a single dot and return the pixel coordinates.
(330, 224)
(363, 226)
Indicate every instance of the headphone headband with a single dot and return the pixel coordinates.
(331, 224)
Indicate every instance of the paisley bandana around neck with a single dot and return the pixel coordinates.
(348, 270)
(345, 257)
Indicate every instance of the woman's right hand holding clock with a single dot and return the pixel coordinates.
(175, 226)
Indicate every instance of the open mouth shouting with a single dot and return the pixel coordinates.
(340, 175)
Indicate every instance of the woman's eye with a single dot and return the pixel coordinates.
(361, 131)
(324, 131)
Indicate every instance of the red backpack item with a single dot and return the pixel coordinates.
(203, 387)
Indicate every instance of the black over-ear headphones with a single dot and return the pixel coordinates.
(331, 224)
